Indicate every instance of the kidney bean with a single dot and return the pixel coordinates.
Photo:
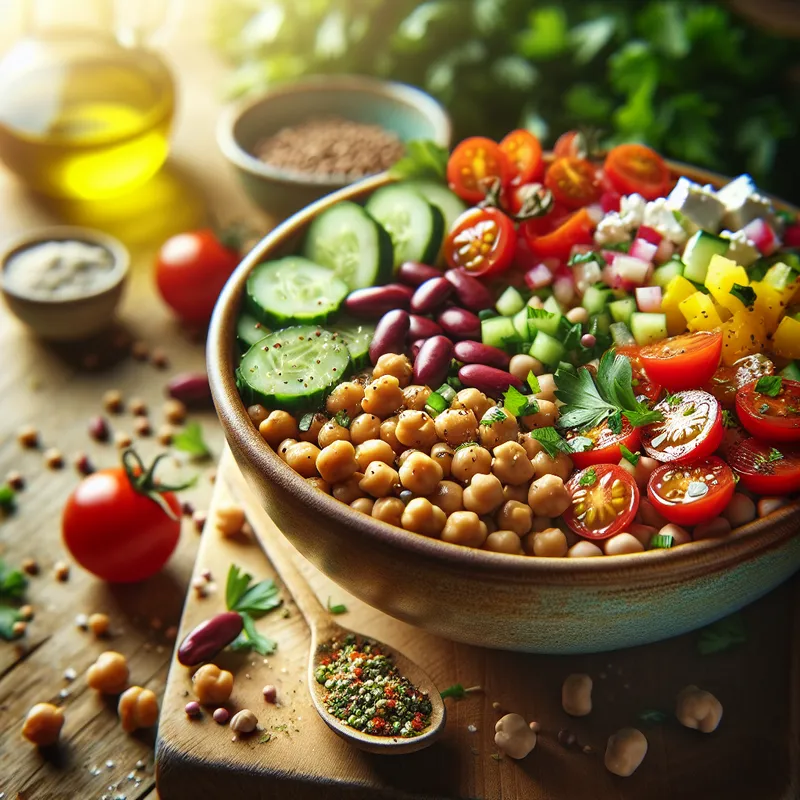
(209, 637)
(478, 353)
(390, 334)
(416, 345)
(374, 301)
(190, 388)
(430, 295)
(413, 273)
(422, 328)
(472, 294)
(432, 361)
(460, 323)
(488, 380)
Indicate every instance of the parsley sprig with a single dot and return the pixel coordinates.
(251, 600)
(12, 590)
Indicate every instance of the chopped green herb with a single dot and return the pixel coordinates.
(551, 441)
(264, 738)
(763, 408)
(729, 419)
(689, 410)
(583, 258)
(744, 293)
(12, 588)
(631, 458)
(339, 608)
(722, 635)
(673, 400)
(251, 602)
(305, 422)
(614, 423)
(580, 444)
(761, 462)
(466, 444)
(652, 716)
(518, 404)
(769, 385)
(456, 691)
(661, 541)
(190, 440)
(423, 159)
(341, 419)
(696, 489)
(533, 382)
(8, 498)
(251, 639)
(492, 415)
(589, 478)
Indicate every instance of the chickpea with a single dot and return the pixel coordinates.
(43, 724)
(548, 497)
(302, 458)
(383, 396)
(312, 434)
(416, 429)
(456, 426)
(741, 510)
(421, 516)
(379, 479)
(491, 525)
(584, 549)
(320, 484)
(420, 474)
(389, 509)
(349, 490)
(511, 464)
(484, 494)
(766, 505)
(389, 434)
(545, 417)
(332, 432)
(522, 365)
(576, 695)
(622, 544)
(644, 533)
(137, 708)
(679, 535)
(257, 413)
(698, 710)
(404, 456)
(536, 302)
(539, 524)
(715, 529)
(396, 365)
(364, 427)
(283, 447)
(648, 515)
(442, 454)
(99, 624)
(503, 542)
(473, 400)
(641, 471)
(550, 543)
(337, 462)
(374, 450)
(532, 446)
(415, 397)
(547, 388)
(470, 461)
(230, 519)
(518, 493)
(625, 751)
(345, 397)
(212, 685)
(244, 721)
(577, 314)
(109, 674)
(561, 466)
(464, 528)
(515, 516)
(504, 428)
(449, 496)
(514, 736)
(363, 504)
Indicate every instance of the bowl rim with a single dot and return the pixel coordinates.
(637, 568)
(402, 93)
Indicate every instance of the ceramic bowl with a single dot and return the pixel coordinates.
(541, 605)
(404, 110)
(77, 318)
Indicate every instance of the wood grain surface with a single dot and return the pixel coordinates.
(754, 754)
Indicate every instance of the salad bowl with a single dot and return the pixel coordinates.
(541, 605)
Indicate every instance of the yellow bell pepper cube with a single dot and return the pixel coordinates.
(743, 334)
(771, 303)
(700, 313)
(678, 289)
(786, 341)
(722, 274)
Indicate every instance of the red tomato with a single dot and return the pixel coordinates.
(643, 387)
(115, 530)
(765, 469)
(688, 494)
(684, 361)
(481, 242)
(773, 419)
(558, 243)
(604, 500)
(191, 269)
(727, 380)
(691, 429)
(606, 447)
(524, 154)
(474, 165)
(634, 168)
(573, 182)
(571, 144)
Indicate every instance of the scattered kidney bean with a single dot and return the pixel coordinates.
(209, 637)
(488, 380)
(460, 323)
(390, 334)
(430, 295)
(472, 294)
(422, 328)
(191, 388)
(432, 361)
(476, 353)
(98, 429)
(413, 273)
(221, 715)
(374, 301)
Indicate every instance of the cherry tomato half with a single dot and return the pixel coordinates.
(773, 419)
(691, 429)
(573, 182)
(481, 242)
(634, 168)
(643, 387)
(474, 165)
(604, 500)
(571, 144)
(688, 494)
(684, 361)
(524, 155)
(606, 445)
(558, 242)
(765, 469)
(727, 380)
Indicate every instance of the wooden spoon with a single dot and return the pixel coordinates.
(324, 630)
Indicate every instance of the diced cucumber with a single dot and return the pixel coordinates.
(497, 331)
(414, 225)
(621, 310)
(599, 324)
(249, 330)
(357, 335)
(780, 275)
(648, 328)
(666, 272)
(520, 320)
(595, 298)
(544, 321)
(437, 194)
(621, 334)
(547, 349)
(294, 290)
(294, 368)
(510, 302)
(697, 254)
(553, 306)
(346, 239)
(791, 371)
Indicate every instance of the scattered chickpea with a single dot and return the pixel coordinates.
(698, 709)
(229, 519)
(346, 397)
(464, 528)
(578, 314)
(379, 479)
(648, 515)
(641, 471)
(270, 693)
(212, 685)
(109, 674)
(548, 497)
(332, 432)
(456, 426)
(61, 571)
(138, 407)
(363, 504)
(165, 434)
(514, 736)
(26, 612)
(30, 566)
(503, 542)
(518, 493)
(396, 365)
(256, 412)
(484, 494)
(644, 533)
(539, 524)
(584, 550)
(312, 434)
(547, 388)
(442, 454)
(19, 628)
(335, 464)
(515, 516)
(491, 525)
(53, 458)
(532, 446)
(550, 543)
(470, 461)
(112, 401)
(416, 429)
(320, 484)
(137, 708)
(766, 505)
(283, 447)
(741, 510)
(383, 396)
(625, 751)
(415, 397)
(511, 464)
(142, 426)
(159, 359)
(302, 458)
(43, 724)
(15, 480)
(715, 529)
(389, 509)
(244, 721)
(420, 474)
(404, 456)
(473, 400)
(421, 516)
(679, 535)
(389, 434)
(576, 695)
(122, 440)
(449, 496)
(503, 427)
(279, 425)
(560, 466)
(28, 437)
(522, 365)
(364, 427)
(99, 624)
(349, 490)
(545, 417)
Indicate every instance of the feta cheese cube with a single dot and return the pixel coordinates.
(699, 205)
(611, 230)
(741, 249)
(743, 204)
(659, 216)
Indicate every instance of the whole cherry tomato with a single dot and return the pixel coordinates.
(574, 182)
(524, 154)
(474, 166)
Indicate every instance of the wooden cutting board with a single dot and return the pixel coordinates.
(755, 753)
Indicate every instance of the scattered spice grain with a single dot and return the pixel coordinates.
(159, 359)
(15, 480)
(112, 401)
(174, 411)
(140, 351)
(28, 437)
(122, 440)
(30, 566)
(138, 407)
(165, 434)
(99, 624)
(142, 427)
(53, 458)
(61, 571)
(82, 464)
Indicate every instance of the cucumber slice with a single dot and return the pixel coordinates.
(547, 349)
(294, 368)
(346, 239)
(414, 225)
(249, 330)
(780, 276)
(621, 334)
(294, 290)
(666, 272)
(498, 332)
(648, 328)
(595, 298)
(510, 302)
(698, 252)
(553, 306)
(357, 336)
(621, 310)
(437, 194)
(520, 320)
(599, 323)
(544, 321)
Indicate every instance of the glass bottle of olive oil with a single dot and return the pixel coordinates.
(81, 115)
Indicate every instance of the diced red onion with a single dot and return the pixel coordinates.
(649, 234)
(538, 277)
(648, 298)
(564, 289)
(626, 272)
(643, 249)
(762, 236)
(596, 212)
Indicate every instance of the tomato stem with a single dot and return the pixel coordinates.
(144, 482)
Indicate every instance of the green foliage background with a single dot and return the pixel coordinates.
(691, 79)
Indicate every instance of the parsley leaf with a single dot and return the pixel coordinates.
(255, 600)
(729, 419)
(631, 458)
(722, 635)
(769, 385)
(583, 405)
(652, 716)
(12, 583)
(492, 415)
(305, 422)
(583, 258)
(673, 400)
(8, 498)
(744, 293)
(588, 478)
(341, 419)
(8, 616)
(251, 639)
(533, 382)
(551, 441)
(423, 159)
(339, 608)
(190, 440)
(615, 422)
(518, 404)
(235, 586)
